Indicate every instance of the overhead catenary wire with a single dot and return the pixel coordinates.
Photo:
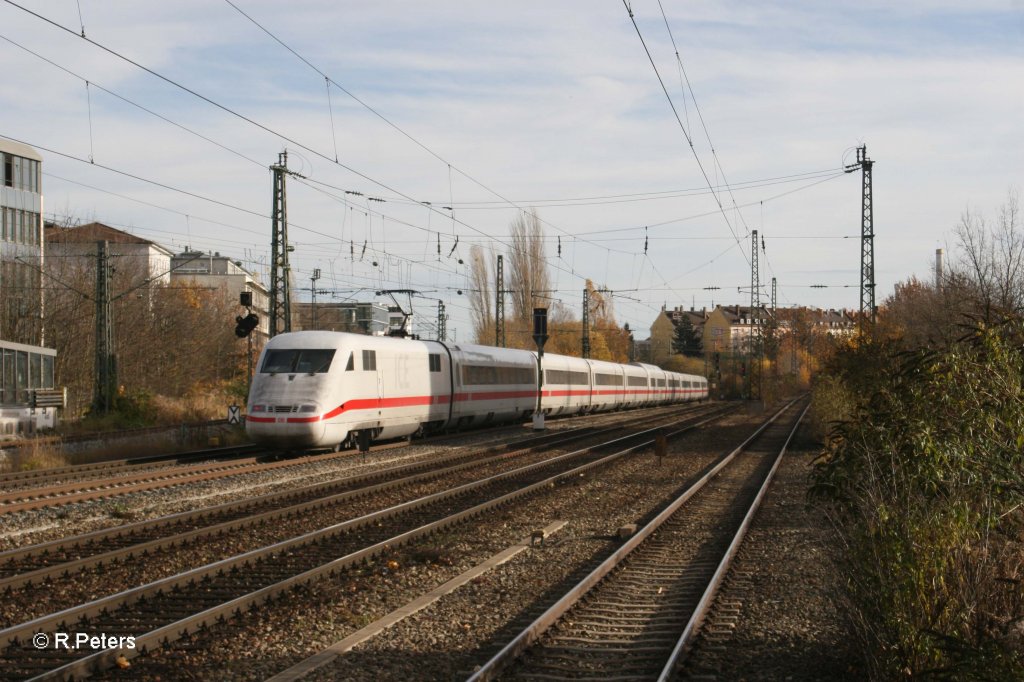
(700, 117)
(488, 237)
(257, 124)
(686, 133)
(390, 123)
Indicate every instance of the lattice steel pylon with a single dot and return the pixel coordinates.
(867, 240)
(755, 321)
(499, 303)
(280, 273)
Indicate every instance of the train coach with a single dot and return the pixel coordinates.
(318, 389)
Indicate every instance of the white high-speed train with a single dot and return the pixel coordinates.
(319, 389)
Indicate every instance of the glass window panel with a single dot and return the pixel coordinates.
(47, 371)
(314, 361)
(9, 376)
(279, 361)
(35, 370)
(21, 376)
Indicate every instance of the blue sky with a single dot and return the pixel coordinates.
(531, 102)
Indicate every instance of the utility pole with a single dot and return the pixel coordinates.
(280, 273)
(774, 300)
(106, 368)
(499, 303)
(867, 239)
(586, 323)
(312, 285)
(442, 319)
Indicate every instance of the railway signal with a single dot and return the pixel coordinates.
(245, 325)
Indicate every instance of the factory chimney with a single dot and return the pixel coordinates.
(938, 268)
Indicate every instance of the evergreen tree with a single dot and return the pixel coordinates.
(685, 340)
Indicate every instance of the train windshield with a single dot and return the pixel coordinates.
(297, 361)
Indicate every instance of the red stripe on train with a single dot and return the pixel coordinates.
(411, 401)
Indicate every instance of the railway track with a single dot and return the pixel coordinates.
(166, 609)
(165, 477)
(634, 616)
(38, 489)
(38, 477)
(35, 564)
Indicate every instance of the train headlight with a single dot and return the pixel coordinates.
(259, 408)
(307, 408)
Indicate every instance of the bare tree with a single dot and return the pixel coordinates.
(172, 340)
(992, 260)
(480, 296)
(530, 282)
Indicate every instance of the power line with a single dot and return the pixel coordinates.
(393, 125)
(234, 113)
(133, 176)
(700, 117)
(686, 134)
(638, 196)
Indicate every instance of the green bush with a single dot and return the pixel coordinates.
(925, 486)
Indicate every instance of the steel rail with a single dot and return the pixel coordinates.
(23, 631)
(490, 669)
(26, 481)
(697, 618)
(11, 478)
(94, 490)
(34, 476)
(314, 497)
(78, 541)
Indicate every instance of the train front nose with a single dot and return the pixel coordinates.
(285, 426)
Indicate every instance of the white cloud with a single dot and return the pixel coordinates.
(541, 101)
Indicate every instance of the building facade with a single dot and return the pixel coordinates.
(22, 244)
(731, 329)
(215, 271)
(663, 331)
(74, 249)
(359, 318)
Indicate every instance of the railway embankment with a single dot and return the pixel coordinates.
(923, 482)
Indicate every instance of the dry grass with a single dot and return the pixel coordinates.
(34, 454)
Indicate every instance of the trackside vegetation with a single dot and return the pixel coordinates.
(922, 477)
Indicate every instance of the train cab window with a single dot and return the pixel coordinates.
(351, 362)
(297, 361)
(435, 362)
(369, 360)
(314, 361)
